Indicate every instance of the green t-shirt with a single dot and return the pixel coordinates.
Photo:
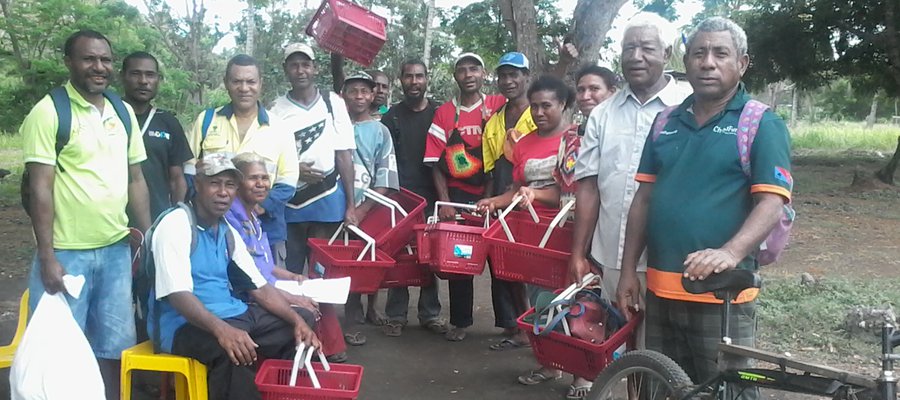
(90, 196)
(701, 196)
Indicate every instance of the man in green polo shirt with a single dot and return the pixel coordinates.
(697, 211)
(78, 201)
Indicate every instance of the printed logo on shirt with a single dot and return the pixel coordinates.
(110, 123)
(784, 176)
(470, 130)
(666, 133)
(307, 136)
(159, 134)
(728, 130)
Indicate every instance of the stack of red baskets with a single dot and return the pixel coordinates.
(393, 221)
(453, 250)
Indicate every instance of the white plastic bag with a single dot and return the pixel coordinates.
(54, 360)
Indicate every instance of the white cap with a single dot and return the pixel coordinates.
(464, 56)
(299, 48)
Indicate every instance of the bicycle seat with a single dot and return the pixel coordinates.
(732, 281)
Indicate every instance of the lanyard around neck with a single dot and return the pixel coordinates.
(484, 113)
(147, 121)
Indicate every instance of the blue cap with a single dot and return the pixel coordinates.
(514, 59)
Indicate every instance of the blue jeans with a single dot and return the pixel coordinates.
(104, 310)
(397, 305)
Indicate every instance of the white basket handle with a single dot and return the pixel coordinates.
(515, 201)
(438, 204)
(370, 242)
(387, 202)
(567, 294)
(559, 219)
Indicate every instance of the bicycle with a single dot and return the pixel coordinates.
(646, 374)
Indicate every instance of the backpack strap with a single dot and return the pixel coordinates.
(64, 114)
(121, 111)
(326, 98)
(192, 221)
(748, 126)
(207, 121)
(661, 120)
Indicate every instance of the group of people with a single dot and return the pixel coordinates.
(259, 181)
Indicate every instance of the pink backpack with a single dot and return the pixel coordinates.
(748, 125)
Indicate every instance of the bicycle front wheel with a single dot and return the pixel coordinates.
(641, 374)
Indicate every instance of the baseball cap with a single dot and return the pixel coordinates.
(361, 76)
(213, 164)
(514, 59)
(299, 48)
(464, 56)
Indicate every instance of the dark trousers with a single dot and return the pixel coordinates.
(508, 299)
(297, 248)
(227, 381)
(690, 333)
(462, 291)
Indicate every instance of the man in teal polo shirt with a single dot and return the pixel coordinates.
(697, 211)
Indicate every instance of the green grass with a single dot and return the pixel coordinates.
(11, 159)
(845, 136)
(793, 317)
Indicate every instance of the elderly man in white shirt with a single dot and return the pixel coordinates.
(611, 151)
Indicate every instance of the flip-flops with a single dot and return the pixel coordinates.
(508, 344)
(455, 335)
(355, 339)
(392, 329)
(578, 392)
(537, 376)
(438, 326)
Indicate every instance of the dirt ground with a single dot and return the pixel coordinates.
(840, 231)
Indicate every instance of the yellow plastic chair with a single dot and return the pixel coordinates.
(190, 374)
(8, 352)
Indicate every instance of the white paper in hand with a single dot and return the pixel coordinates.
(328, 291)
(54, 360)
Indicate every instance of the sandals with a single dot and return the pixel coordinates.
(376, 318)
(578, 392)
(437, 325)
(455, 335)
(538, 376)
(392, 329)
(508, 344)
(355, 339)
(338, 358)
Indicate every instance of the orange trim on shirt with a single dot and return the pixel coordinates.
(649, 178)
(764, 188)
(668, 286)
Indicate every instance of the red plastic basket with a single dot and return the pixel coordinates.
(524, 261)
(339, 261)
(407, 272)
(452, 248)
(575, 356)
(393, 240)
(342, 382)
(344, 27)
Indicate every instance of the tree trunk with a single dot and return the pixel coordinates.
(591, 22)
(520, 17)
(251, 28)
(426, 52)
(886, 174)
(870, 119)
(795, 104)
(13, 40)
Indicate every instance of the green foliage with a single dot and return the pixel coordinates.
(845, 136)
(828, 38)
(792, 316)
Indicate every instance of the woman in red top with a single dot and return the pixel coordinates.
(535, 155)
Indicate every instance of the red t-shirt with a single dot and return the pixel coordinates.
(536, 158)
(470, 124)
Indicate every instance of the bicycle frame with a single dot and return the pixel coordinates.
(884, 387)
